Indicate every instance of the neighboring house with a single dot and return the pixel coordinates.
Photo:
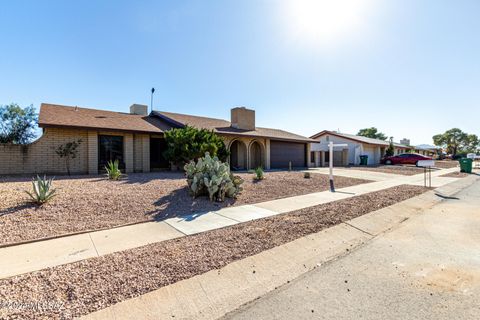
(136, 140)
(349, 155)
(427, 150)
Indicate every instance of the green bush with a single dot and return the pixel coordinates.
(113, 172)
(42, 190)
(259, 174)
(211, 176)
(189, 143)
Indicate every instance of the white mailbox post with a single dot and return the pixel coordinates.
(330, 162)
(426, 164)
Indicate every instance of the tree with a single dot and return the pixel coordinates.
(189, 143)
(372, 133)
(456, 141)
(68, 151)
(17, 124)
(390, 150)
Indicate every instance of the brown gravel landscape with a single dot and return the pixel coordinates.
(446, 164)
(89, 285)
(91, 203)
(396, 169)
(456, 174)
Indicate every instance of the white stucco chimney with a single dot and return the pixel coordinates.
(243, 118)
(139, 109)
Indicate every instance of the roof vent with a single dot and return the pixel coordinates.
(139, 109)
(243, 118)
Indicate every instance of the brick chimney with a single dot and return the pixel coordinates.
(243, 118)
(139, 109)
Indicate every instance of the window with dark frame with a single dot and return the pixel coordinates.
(110, 148)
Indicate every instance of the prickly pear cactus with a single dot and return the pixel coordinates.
(210, 176)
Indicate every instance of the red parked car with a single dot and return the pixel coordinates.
(405, 158)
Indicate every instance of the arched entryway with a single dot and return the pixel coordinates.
(256, 155)
(238, 155)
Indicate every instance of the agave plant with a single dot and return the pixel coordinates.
(259, 174)
(113, 171)
(42, 190)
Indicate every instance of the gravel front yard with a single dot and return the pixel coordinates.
(96, 283)
(397, 169)
(90, 203)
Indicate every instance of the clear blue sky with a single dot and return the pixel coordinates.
(409, 67)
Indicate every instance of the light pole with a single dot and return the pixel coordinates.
(151, 100)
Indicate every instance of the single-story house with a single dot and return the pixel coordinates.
(349, 154)
(136, 139)
(427, 150)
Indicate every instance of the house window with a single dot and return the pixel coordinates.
(328, 138)
(312, 156)
(110, 148)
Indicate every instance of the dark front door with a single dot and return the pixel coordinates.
(157, 147)
(110, 148)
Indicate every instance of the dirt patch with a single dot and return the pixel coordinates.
(456, 174)
(96, 283)
(92, 203)
(394, 169)
(446, 164)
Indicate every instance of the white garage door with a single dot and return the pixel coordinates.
(370, 152)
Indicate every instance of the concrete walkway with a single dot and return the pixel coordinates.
(215, 293)
(428, 268)
(34, 256)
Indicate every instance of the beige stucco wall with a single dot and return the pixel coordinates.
(39, 157)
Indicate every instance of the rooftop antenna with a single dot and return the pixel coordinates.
(151, 100)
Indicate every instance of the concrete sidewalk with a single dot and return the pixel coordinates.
(428, 268)
(34, 256)
(215, 293)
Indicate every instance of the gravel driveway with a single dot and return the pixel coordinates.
(96, 283)
(91, 203)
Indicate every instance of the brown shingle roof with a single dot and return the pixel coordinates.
(223, 127)
(52, 115)
(67, 116)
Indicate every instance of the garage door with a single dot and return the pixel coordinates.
(370, 152)
(281, 153)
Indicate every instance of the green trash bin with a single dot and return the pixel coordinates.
(466, 165)
(363, 160)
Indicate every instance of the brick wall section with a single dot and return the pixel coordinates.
(92, 152)
(145, 153)
(138, 153)
(39, 157)
(128, 152)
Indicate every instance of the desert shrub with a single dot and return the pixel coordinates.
(113, 172)
(68, 151)
(211, 176)
(189, 143)
(259, 174)
(42, 190)
(306, 175)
